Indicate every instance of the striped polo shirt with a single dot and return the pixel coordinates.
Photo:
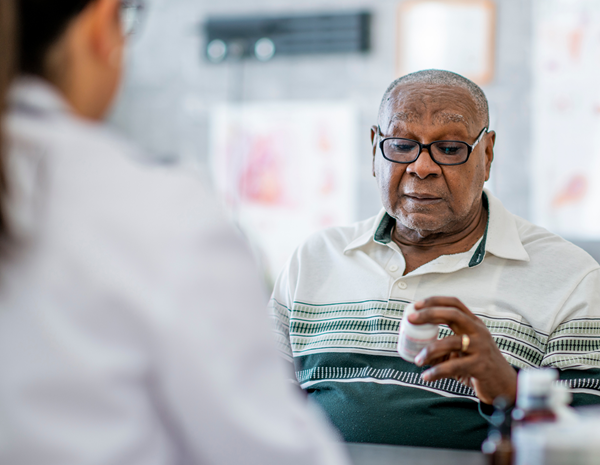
(338, 304)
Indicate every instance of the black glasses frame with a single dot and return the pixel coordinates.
(470, 148)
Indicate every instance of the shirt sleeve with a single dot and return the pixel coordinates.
(279, 309)
(574, 344)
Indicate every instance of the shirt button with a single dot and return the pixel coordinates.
(402, 285)
(393, 268)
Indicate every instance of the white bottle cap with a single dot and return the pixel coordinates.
(425, 331)
(536, 382)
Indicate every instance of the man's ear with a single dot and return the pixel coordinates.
(106, 30)
(374, 145)
(489, 152)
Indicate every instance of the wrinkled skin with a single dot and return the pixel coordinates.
(439, 211)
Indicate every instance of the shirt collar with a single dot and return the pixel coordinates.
(501, 237)
(369, 236)
(35, 95)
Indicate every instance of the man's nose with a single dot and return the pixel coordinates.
(424, 166)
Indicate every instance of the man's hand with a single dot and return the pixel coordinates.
(481, 366)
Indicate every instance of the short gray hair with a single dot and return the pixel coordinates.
(443, 78)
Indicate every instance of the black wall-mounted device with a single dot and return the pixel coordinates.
(265, 37)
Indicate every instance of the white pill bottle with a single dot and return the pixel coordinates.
(414, 338)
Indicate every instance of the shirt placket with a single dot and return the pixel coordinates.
(401, 287)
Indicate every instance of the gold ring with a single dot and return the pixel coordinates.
(466, 340)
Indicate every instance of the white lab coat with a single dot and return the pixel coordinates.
(132, 326)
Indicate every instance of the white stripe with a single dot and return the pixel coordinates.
(585, 391)
(323, 319)
(388, 381)
(353, 350)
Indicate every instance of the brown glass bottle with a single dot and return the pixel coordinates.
(498, 447)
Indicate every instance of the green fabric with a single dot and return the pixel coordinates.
(383, 234)
(479, 254)
(582, 379)
(381, 413)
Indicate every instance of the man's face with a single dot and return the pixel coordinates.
(424, 196)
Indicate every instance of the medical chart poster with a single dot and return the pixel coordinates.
(285, 170)
(566, 117)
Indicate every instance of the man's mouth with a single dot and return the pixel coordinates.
(423, 199)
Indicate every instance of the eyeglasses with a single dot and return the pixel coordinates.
(131, 15)
(442, 152)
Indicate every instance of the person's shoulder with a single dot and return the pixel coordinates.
(88, 178)
(125, 175)
(545, 251)
(544, 245)
(336, 239)
(323, 251)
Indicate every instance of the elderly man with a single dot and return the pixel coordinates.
(520, 296)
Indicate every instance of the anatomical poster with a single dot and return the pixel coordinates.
(566, 117)
(284, 171)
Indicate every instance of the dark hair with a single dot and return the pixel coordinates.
(41, 23)
(7, 69)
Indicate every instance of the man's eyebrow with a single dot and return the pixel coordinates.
(445, 117)
(406, 117)
(441, 117)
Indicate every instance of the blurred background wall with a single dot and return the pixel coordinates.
(171, 88)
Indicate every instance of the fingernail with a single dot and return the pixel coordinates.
(419, 359)
(413, 317)
(425, 376)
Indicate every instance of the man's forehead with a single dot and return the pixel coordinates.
(412, 103)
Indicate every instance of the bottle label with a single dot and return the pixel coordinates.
(411, 347)
(529, 443)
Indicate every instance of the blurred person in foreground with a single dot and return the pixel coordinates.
(519, 296)
(131, 324)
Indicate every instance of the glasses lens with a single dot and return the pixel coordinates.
(128, 19)
(448, 152)
(401, 150)
(130, 15)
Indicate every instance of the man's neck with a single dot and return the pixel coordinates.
(419, 249)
